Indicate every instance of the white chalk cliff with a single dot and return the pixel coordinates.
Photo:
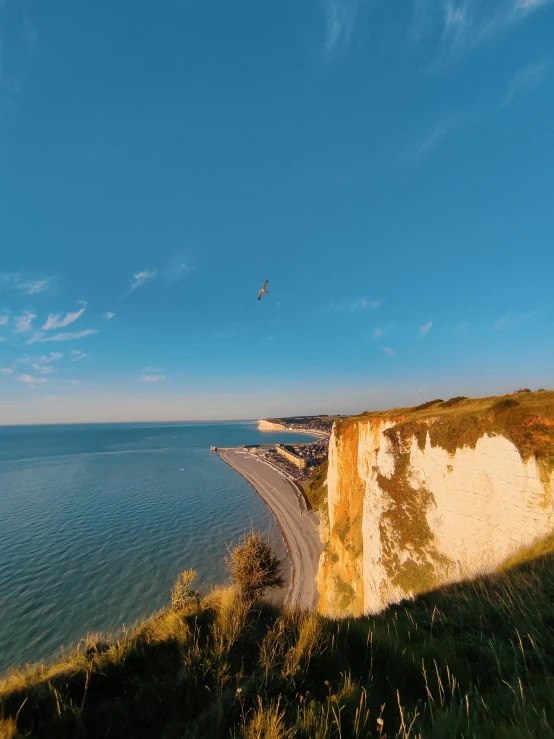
(407, 514)
(264, 425)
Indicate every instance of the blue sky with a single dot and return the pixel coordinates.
(389, 167)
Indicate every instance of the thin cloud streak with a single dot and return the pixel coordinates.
(377, 333)
(468, 24)
(388, 351)
(76, 356)
(424, 330)
(55, 321)
(525, 82)
(141, 277)
(44, 369)
(32, 288)
(24, 322)
(52, 357)
(31, 379)
(340, 20)
(152, 378)
(510, 320)
(522, 83)
(445, 126)
(40, 338)
(109, 315)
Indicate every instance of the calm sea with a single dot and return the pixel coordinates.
(97, 521)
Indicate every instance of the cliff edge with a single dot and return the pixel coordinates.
(420, 497)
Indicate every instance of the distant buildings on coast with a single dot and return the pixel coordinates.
(297, 460)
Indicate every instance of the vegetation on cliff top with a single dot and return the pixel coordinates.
(474, 661)
(525, 418)
(315, 490)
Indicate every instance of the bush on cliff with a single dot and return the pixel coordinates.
(254, 566)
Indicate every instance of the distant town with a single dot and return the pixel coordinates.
(297, 460)
(306, 424)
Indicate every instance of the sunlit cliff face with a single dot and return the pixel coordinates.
(407, 514)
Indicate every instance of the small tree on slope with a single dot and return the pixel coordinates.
(254, 566)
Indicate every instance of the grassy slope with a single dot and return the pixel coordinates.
(315, 489)
(474, 660)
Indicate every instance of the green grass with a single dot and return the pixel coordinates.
(315, 491)
(526, 418)
(470, 661)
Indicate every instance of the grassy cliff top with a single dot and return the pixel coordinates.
(524, 417)
(470, 660)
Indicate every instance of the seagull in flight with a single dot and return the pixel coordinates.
(263, 291)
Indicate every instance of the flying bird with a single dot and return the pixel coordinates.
(263, 291)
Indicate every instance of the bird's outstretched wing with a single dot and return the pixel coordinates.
(263, 290)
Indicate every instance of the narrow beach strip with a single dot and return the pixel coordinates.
(298, 526)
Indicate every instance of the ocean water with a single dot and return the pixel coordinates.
(97, 521)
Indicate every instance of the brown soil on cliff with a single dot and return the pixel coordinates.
(524, 417)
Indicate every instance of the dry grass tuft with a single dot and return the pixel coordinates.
(8, 728)
(267, 723)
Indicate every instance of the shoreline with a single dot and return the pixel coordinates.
(284, 429)
(298, 525)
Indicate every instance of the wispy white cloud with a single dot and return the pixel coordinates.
(16, 281)
(351, 306)
(471, 23)
(422, 17)
(44, 369)
(76, 355)
(31, 379)
(443, 128)
(34, 287)
(40, 338)
(514, 320)
(388, 351)
(24, 322)
(153, 370)
(525, 81)
(4, 319)
(139, 278)
(6, 370)
(109, 315)
(424, 330)
(340, 21)
(56, 321)
(152, 378)
(377, 333)
(52, 357)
